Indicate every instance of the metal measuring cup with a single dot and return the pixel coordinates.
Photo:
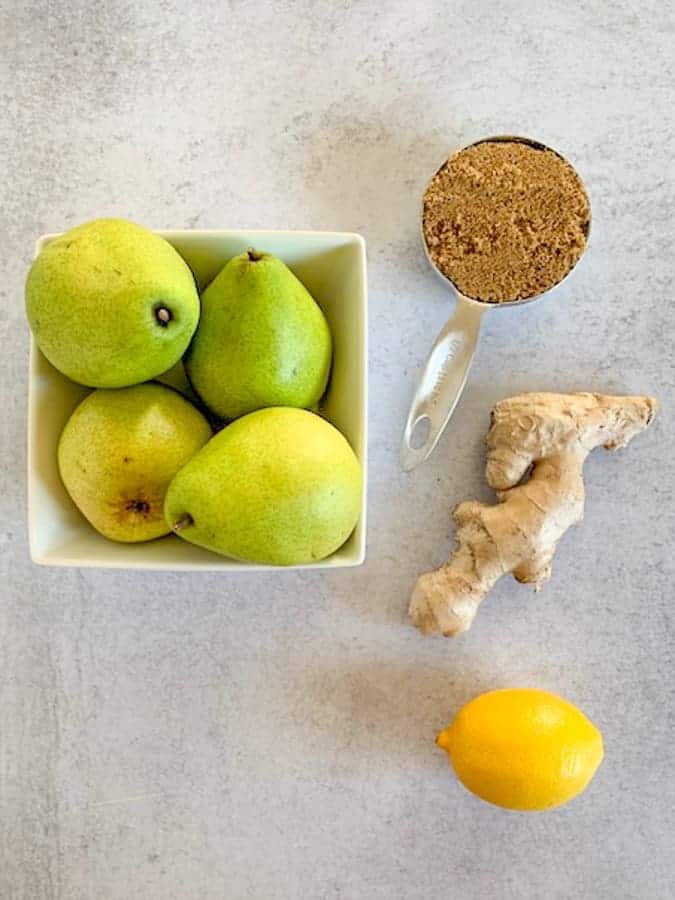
(448, 364)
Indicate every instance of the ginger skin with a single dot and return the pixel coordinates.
(550, 436)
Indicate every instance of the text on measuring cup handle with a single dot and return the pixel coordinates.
(440, 361)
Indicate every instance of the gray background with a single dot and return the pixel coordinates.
(201, 736)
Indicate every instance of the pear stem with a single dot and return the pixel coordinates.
(163, 316)
(184, 522)
(254, 255)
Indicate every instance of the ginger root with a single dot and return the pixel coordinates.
(547, 436)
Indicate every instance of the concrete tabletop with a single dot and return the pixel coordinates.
(202, 736)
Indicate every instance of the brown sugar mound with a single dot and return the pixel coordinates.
(505, 220)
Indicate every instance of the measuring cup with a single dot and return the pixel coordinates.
(447, 367)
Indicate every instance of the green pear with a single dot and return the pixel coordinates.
(278, 486)
(120, 449)
(111, 304)
(261, 340)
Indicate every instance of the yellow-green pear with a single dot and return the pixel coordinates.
(120, 449)
(278, 486)
(261, 341)
(111, 304)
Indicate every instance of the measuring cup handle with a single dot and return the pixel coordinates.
(442, 381)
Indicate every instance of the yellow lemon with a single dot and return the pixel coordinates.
(522, 748)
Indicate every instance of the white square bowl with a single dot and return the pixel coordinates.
(332, 265)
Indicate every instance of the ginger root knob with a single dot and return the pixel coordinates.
(548, 436)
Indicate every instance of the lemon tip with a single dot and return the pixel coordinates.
(443, 740)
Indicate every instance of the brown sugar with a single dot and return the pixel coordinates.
(505, 220)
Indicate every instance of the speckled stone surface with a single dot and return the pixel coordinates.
(174, 737)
